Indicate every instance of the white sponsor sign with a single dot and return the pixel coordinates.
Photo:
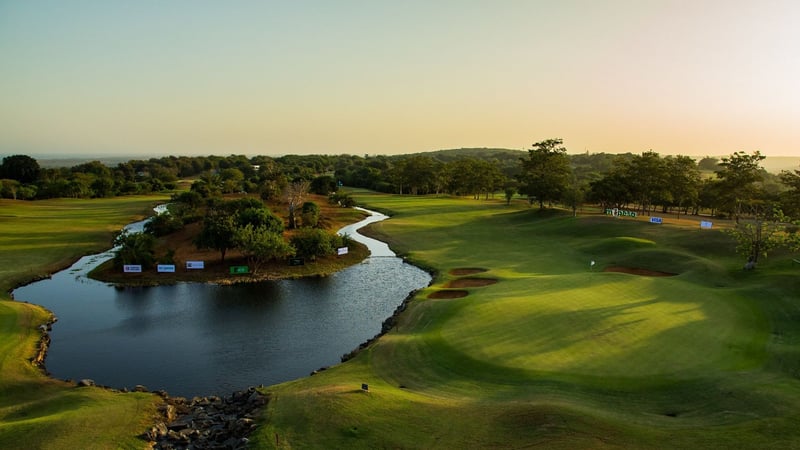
(132, 268)
(166, 268)
(342, 251)
(656, 220)
(705, 224)
(195, 265)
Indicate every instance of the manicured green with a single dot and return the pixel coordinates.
(559, 354)
(36, 411)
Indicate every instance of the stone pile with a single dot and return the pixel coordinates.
(218, 423)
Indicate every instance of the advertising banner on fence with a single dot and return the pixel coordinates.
(132, 268)
(656, 220)
(166, 268)
(705, 224)
(342, 251)
(195, 265)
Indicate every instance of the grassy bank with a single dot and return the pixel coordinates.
(36, 239)
(559, 353)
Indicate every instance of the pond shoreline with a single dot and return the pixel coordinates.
(165, 427)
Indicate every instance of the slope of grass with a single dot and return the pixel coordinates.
(37, 238)
(558, 353)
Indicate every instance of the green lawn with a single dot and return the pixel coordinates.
(37, 238)
(559, 354)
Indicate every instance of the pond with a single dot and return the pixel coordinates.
(202, 339)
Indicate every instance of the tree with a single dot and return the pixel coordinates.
(790, 199)
(22, 168)
(259, 244)
(313, 242)
(509, 191)
(259, 217)
(738, 175)
(646, 178)
(757, 236)
(683, 181)
(293, 196)
(310, 214)
(610, 191)
(9, 188)
(708, 163)
(218, 232)
(134, 248)
(323, 185)
(546, 172)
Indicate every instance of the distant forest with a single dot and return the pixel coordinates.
(545, 175)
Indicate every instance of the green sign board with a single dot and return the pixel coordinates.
(238, 270)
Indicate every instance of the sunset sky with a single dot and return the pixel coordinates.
(262, 77)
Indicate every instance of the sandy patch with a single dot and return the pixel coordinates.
(453, 293)
(467, 271)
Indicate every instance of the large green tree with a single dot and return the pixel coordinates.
(683, 181)
(218, 232)
(546, 172)
(259, 244)
(738, 176)
(22, 168)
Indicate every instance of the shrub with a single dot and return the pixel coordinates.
(313, 242)
(310, 214)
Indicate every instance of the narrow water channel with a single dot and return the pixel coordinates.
(201, 339)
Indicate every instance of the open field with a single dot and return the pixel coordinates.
(38, 238)
(557, 353)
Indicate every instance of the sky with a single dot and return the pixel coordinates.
(145, 77)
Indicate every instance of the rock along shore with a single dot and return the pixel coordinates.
(218, 423)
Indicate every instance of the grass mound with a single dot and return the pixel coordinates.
(471, 282)
(466, 271)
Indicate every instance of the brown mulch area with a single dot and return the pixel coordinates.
(467, 271)
(470, 282)
(453, 293)
(637, 271)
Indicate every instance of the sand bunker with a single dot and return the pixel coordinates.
(467, 271)
(641, 272)
(470, 282)
(453, 293)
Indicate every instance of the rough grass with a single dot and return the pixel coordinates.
(37, 238)
(558, 354)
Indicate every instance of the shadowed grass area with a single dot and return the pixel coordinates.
(558, 353)
(36, 239)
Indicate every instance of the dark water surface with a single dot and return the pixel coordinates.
(201, 339)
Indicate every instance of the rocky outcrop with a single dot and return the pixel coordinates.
(220, 423)
(44, 344)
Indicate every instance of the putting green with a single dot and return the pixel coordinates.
(603, 324)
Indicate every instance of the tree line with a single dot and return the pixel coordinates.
(734, 187)
(545, 174)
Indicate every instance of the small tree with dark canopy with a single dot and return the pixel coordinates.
(134, 248)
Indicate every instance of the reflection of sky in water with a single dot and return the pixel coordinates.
(194, 338)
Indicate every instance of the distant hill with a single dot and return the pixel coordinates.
(776, 164)
(479, 153)
(53, 163)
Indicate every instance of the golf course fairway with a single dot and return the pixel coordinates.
(678, 348)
